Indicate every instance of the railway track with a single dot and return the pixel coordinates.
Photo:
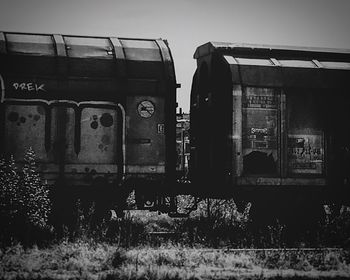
(262, 250)
(168, 235)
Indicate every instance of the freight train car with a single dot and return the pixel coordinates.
(100, 115)
(97, 111)
(270, 119)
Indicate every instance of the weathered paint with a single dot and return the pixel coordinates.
(288, 110)
(144, 145)
(22, 132)
(69, 80)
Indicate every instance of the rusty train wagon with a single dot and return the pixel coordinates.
(97, 111)
(271, 118)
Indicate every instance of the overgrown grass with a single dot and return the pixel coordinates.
(95, 260)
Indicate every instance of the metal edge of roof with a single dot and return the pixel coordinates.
(54, 36)
(211, 47)
(272, 62)
(82, 36)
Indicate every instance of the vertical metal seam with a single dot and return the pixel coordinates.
(60, 45)
(119, 54)
(243, 89)
(284, 139)
(48, 119)
(161, 48)
(169, 74)
(279, 131)
(123, 136)
(2, 115)
(2, 84)
(77, 130)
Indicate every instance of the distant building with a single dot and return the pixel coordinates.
(182, 142)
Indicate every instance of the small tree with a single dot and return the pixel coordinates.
(33, 193)
(24, 199)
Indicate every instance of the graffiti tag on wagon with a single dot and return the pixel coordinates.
(29, 87)
(305, 153)
(256, 101)
(310, 152)
(305, 148)
(254, 130)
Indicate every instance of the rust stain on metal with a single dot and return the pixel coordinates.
(106, 120)
(94, 125)
(106, 139)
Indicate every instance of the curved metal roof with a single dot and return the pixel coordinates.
(85, 65)
(278, 51)
(279, 66)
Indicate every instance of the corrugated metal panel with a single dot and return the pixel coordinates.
(89, 47)
(30, 44)
(142, 50)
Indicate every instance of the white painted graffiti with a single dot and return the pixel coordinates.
(259, 130)
(29, 87)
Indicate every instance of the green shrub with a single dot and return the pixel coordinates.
(24, 199)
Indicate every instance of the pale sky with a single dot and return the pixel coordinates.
(187, 24)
